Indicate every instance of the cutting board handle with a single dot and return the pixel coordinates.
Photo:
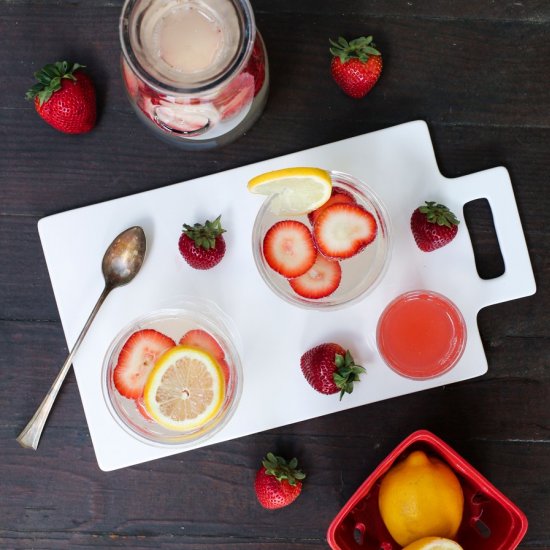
(518, 279)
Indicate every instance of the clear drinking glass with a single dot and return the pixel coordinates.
(195, 71)
(174, 322)
(360, 274)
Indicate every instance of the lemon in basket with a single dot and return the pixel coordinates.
(293, 191)
(185, 389)
(433, 543)
(420, 497)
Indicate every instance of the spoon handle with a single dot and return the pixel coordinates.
(30, 436)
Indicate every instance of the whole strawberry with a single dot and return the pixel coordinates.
(433, 226)
(329, 368)
(356, 65)
(65, 97)
(278, 483)
(202, 245)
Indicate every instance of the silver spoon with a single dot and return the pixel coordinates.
(121, 263)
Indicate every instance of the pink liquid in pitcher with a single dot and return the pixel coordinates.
(421, 334)
(195, 70)
(189, 40)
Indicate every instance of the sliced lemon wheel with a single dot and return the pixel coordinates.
(433, 543)
(185, 389)
(294, 191)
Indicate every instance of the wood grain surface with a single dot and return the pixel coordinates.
(477, 71)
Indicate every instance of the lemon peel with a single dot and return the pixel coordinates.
(293, 191)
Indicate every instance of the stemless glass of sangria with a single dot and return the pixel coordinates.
(173, 376)
(331, 256)
(195, 71)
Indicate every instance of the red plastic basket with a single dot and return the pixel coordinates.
(490, 521)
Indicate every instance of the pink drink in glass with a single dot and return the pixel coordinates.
(421, 334)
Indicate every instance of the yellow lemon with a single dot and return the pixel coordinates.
(433, 543)
(294, 191)
(185, 389)
(420, 497)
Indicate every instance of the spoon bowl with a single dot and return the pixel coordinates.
(124, 257)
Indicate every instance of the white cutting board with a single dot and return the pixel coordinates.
(398, 163)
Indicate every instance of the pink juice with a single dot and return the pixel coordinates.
(421, 334)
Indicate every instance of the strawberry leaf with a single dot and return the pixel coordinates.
(438, 214)
(360, 48)
(278, 467)
(346, 373)
(372, 51)
(49, 80)
(204, 235)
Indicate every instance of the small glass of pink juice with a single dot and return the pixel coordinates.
(421, 334)
(195, 70)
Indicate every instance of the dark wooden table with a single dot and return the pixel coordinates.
(477, 72)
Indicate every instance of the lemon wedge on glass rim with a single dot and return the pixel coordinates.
(294, 191)
(185, 389)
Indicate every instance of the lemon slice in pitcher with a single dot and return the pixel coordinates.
(294, 191)
(185, 389)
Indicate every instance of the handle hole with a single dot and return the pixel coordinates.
(488, 257)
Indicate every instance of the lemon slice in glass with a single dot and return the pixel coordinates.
(294, 191)
(185, 389)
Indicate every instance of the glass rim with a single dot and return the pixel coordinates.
(246, 14)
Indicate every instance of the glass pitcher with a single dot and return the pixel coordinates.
(196, 71)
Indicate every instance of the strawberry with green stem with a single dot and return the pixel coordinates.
(433, 225)
(329, 369)
(278, 482)
(356, 66)
(65, 97)
(202, 245)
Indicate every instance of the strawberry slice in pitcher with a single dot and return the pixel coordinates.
(236, 96)
(256, 65)
(185, 118)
